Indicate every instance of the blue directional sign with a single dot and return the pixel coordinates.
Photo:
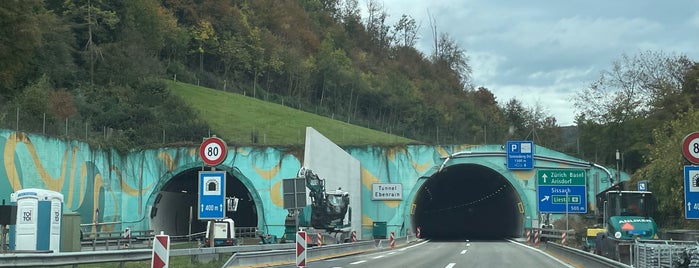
(212, 195)
(560, 187)
(691, 192)
(520, 155)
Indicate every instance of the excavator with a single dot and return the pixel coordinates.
(328, 213)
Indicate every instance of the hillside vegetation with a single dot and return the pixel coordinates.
(246, 120)
(89, 69)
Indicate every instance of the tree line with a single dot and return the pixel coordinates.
(100, 61)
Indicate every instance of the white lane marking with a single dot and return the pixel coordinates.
(540, 251)
(378, 257)
(423, 242)
(468, 245)
(450, 265)
(463, 252)
(391, 253)
(358, 262)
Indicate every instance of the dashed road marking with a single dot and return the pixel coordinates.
(358, 262)
(463, 252)
(450, 265)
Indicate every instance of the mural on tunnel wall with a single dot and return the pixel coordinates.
(113, 182)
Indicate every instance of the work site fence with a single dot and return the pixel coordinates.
(665, 253)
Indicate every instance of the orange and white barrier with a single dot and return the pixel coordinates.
(354, 236)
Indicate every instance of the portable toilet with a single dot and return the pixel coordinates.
(39, 214)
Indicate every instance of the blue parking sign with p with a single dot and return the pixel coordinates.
(520, 155)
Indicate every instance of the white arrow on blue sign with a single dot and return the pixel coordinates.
(212, 195)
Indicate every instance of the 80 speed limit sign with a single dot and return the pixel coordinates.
(213, 151)
(690, 147)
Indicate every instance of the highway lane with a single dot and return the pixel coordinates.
(447, 254)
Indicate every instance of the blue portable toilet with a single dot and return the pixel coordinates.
(38, 225)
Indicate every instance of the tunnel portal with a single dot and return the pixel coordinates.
(170, 210)
(468, 201)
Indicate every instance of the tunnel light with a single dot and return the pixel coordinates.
(184, 191)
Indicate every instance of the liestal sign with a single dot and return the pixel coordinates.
(386, 191)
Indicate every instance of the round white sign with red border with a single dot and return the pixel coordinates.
(213, 151)
(690, 147)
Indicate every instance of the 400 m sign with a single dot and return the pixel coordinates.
(213, 151)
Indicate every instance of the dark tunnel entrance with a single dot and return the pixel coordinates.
(171, 209)
(468, 201)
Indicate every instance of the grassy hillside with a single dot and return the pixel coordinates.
(236, 118)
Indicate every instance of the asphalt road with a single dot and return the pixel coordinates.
(450, 254)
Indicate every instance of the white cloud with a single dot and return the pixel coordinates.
(694, 20)
(545, 51)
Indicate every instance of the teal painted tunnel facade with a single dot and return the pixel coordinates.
(129, 189)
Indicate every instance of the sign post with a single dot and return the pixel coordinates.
(520, 155)
(212, 184)
(562, 190)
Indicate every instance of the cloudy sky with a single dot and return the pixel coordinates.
(545, 51)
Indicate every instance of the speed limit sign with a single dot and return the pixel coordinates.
(690, 147)
(213, 151)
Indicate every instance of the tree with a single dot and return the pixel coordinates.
(405, 32)
(633, 88)
(622, 107)
(664, 171)
(20, 35)
(376, 24)
(205, 36)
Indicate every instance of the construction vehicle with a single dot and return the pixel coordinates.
(223, 233)
(626, 217)
(329, 213)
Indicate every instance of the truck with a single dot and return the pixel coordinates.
(223, 233)
(329, 212)
(626, 216)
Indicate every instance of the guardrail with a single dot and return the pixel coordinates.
(588, 259)
(249, 253)
(118, 256)
(289, 255)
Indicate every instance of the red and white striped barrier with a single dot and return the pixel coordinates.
(127, 236)
(354, 236)
(319, 237)
(536, 238)
(417, 233)
(529, 237)
(563, 238)
(301, 249)
(393, 241)
(161, 251)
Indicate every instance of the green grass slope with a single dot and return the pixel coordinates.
(235, 118)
